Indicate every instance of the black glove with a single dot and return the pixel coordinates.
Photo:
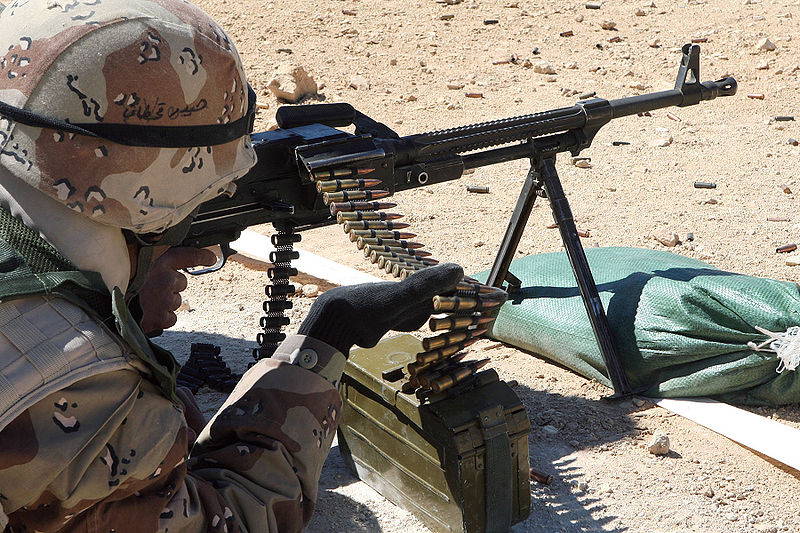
(362, 314)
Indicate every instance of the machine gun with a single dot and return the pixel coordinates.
(282, 187)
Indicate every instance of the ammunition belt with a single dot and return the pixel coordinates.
(206, 367)
(278, 292)
(465, 314)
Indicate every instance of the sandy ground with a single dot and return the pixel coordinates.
(401, 57)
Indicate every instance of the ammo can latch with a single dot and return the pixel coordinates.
(498, 469)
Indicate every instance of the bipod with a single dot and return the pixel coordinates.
(543, 180)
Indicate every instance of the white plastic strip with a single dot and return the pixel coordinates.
(258, 246)
(758, 433)
(763, 435)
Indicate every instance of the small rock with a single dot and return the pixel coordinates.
(551, 430)
(661, 143)
(543, 67)
(478, 244)
(659, 445)
(292, 83)
(605, 489)
(572, 65)
(711, 201)
(579, 486)
(709, 493)
(639, 402)
(793, 262)
(640, 12)
(655, 43)
(578, 18)
(583, 163)
(453, 86)
(766, 45)
(310, 290)
(763, 65)
(358, 83)
(669, 239)
(733, 517)
(185, 305)
(608, 25)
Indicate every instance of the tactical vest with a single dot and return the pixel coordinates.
(30, 266)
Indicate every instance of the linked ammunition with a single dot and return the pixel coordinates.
(398, 250)
(359, 206)
(375, 253)
(364, 241)
(373, 224)
(456, 303)
(433, 356)
(383, 234)
(426, 371)
(342, 217)
(339, 173)
(279, 290)
(447, 339)
(457, 376)
(476, 287)
(349, 196)
(458, 322)
(402, 269)
(339, 185)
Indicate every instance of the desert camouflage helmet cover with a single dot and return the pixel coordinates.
(129, 62)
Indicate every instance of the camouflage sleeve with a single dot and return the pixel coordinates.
(264, 449)
(109, 453)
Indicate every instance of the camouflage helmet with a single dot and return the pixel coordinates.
(156, 86)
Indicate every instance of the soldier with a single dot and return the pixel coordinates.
(117, 119)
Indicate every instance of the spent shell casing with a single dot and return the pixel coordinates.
(340, 173)
(786, 248)
(373, 224)
(355, 195)
(342, 216)
(541, 477)
(705, 185)
(479, 189)
(336, 207)
(340, 185)
(458, 322)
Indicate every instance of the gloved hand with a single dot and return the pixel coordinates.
(362, 314)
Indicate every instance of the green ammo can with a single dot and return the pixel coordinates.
(458, 461)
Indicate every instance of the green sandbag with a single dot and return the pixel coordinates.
(681, 325)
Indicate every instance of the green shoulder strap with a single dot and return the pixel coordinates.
(29, 265)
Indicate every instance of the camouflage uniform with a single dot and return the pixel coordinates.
(90, 439)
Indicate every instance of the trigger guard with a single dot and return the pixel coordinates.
(225, 252)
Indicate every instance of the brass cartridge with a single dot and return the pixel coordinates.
(383, 234)
(457, 303)
(363, 241)
(339, 185)
(349, 196)
(373, 224)
(336, 207)
(458, 322)
(447, 339)
(457, 376)
(340, 173)
(343, 216)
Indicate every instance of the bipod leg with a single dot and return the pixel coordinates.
(583, 276)
(516, 227)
